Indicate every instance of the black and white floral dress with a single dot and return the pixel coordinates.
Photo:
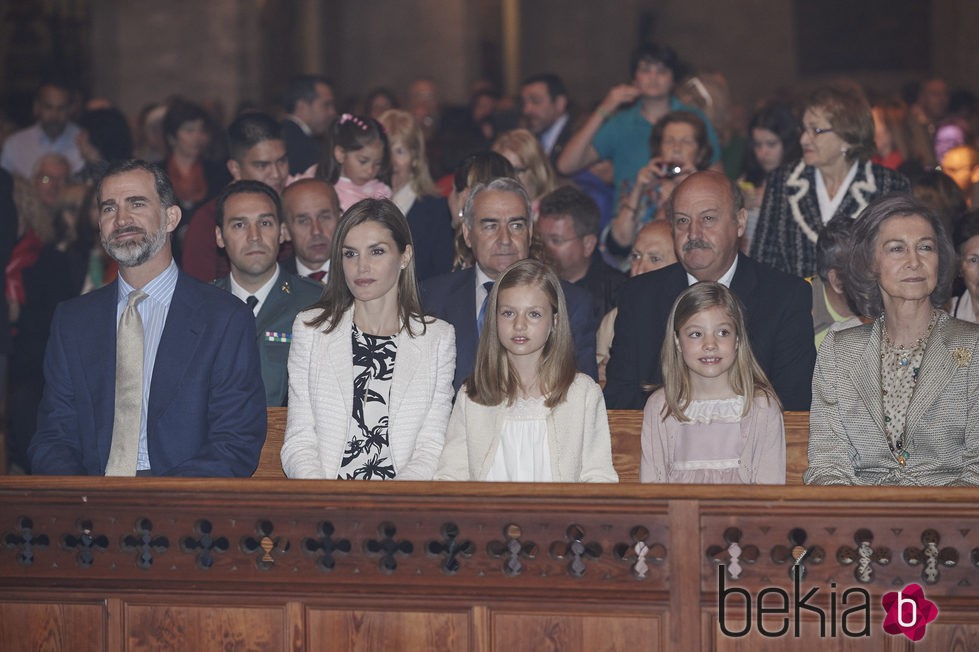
(367, 455)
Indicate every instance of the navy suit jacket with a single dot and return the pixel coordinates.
(431, 232)
(303, 151)
(206, 412)
(452, 298)
(778, 318)
(289, 296)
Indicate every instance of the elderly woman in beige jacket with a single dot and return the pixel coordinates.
(896, 402)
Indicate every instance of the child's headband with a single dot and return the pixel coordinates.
(349, 117)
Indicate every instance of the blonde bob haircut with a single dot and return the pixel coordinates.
(529, 152)
(401, 125)
(493, 380)
(745, 376)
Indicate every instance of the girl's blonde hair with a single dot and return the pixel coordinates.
(528, 149)
(493, 381)
(745, 376)
(401, 125)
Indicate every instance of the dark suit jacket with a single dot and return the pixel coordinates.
(562, 140)
(789, 222)
(289, 296)
(602, 281)
(206, 412)
(452, 298)
(778, 318)
(303, 151)
(431, 233)
(8, 236)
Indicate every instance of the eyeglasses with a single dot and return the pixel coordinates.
(555, 241)
(816, 131)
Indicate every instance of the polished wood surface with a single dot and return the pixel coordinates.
(196, 564)
(625, 426)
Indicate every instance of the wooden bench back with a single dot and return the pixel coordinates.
(625, 425)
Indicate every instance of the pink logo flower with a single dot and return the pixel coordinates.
(908, 612)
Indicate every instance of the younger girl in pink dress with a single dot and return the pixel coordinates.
(716, 420)
(356, 160)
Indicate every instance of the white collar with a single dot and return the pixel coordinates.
(261, 294)
(725, 279)
(404, 198)
(548, 137)
(481, 292)
(827, 204)
(302, 270)
(299, 123)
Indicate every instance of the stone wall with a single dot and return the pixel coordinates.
(246, 49)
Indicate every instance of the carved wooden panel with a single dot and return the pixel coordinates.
(251, 564)
(877, 552)
(808, 641)
(342, 630)
(163, 627)
(579, 632)
(357, 547)
(957, 630)
(67, 626)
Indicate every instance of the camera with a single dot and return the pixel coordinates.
(672, 169)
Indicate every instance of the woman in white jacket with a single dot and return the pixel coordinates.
(370, 378)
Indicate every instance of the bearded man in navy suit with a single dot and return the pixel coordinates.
(202, 411)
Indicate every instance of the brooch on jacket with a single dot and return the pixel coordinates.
(963, 356)
(276, 336)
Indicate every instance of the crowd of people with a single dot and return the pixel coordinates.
(462, 293)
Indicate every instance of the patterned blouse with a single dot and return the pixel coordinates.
(367, 455)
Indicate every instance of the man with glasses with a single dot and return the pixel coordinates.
(569, 226)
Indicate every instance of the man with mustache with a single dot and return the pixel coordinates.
(156, 373)
(250, 230)
(707, 218)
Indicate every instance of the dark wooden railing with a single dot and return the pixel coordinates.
(253, 564)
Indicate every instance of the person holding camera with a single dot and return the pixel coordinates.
(678, 147)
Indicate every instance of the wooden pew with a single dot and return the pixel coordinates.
(269, 464)
(308, 565)
(625, 425)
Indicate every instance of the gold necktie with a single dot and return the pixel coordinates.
(129, 391)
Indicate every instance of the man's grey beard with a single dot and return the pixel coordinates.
(135, 253)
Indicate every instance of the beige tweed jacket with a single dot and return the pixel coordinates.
(847, 444)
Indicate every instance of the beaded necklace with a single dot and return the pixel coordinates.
(908, 359)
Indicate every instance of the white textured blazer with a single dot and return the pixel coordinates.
(577, 435)
(321, 387)
(847, 444)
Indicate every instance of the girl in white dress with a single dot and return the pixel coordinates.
(716, 420)
(526, 415)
